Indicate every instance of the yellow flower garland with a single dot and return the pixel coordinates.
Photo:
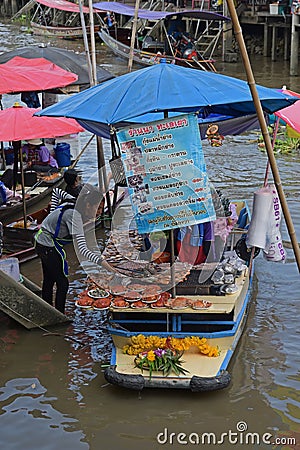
(141, 343)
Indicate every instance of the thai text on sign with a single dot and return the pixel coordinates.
(166, 173)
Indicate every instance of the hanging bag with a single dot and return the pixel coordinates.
(116, 164)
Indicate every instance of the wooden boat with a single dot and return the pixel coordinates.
(39, 193)
(56, 18)
(21, 300)
(205, 311)
(188, 38)
(18, 241)
(150, 57)
(60, 31)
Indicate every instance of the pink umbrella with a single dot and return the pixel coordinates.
(18, 123)
(291, 114)
(22, 75)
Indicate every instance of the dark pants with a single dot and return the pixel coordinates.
(52, 266)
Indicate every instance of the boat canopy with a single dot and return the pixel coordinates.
(291, 114)
(127, 10)
(63, 5)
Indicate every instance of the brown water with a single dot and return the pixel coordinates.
(52, 391)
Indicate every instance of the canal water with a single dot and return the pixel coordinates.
(52, 391)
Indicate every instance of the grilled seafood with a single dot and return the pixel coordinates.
(132, 295)
(119, 302)
(160, 303)
(178, 303)
(118, 289)
(139, 304)
(149, 298)
(85, 301)
(102, 303)
(201, 304)
(165, 296)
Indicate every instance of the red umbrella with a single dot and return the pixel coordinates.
(18, 123)
(22, 75)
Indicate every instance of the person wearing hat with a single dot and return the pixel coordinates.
(38, 157)
(73, 186)
(65, 224)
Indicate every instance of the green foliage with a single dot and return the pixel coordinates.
(159, 360)
(283, 145)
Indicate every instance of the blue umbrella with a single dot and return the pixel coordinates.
(149, 92)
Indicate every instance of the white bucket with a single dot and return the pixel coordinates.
(273, 8)
(10, 266)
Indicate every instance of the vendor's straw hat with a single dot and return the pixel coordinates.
(35, 141)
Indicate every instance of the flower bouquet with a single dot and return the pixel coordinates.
(161, 360)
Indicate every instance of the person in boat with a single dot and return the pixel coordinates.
(73, 185)
(65, 224)
(110, 19)
(193, 242)
(38, 157)
(6, 184)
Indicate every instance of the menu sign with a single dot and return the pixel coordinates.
(166, 173)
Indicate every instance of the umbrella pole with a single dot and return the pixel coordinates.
(2, 145)
(133, 34)
(264, 129)
(172, 248)
(18, 149)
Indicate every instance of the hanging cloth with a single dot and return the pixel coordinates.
(190, 244)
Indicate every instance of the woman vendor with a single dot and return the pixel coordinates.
(193, 242)
(38, 157)
(58, 228)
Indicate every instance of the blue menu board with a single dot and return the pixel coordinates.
(166, 174)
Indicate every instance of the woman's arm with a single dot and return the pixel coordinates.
(80, 243)
(59, 196)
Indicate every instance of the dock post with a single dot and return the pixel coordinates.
(294, 45)
(286, 45)
(274, 35)
(267, 40)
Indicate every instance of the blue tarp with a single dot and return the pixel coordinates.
(127, 10)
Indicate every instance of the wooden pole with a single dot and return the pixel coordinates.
(294, 45)
(18, 149)
(93, 45)
(264, 129)
(133, 34)
(86, 43)
(102, 179)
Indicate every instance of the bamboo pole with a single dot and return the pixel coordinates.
(264, 129)
(133, 34)
(102, 179)
(93, 45)
(86, 43)
(18, 150)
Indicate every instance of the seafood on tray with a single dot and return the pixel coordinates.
(85, 302)
(98, 293)
(119, 302)
(200, 304)
(139, 305)
(102, 303)
(160, 303)
(178, 303)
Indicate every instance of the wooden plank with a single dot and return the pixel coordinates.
(25, 306)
